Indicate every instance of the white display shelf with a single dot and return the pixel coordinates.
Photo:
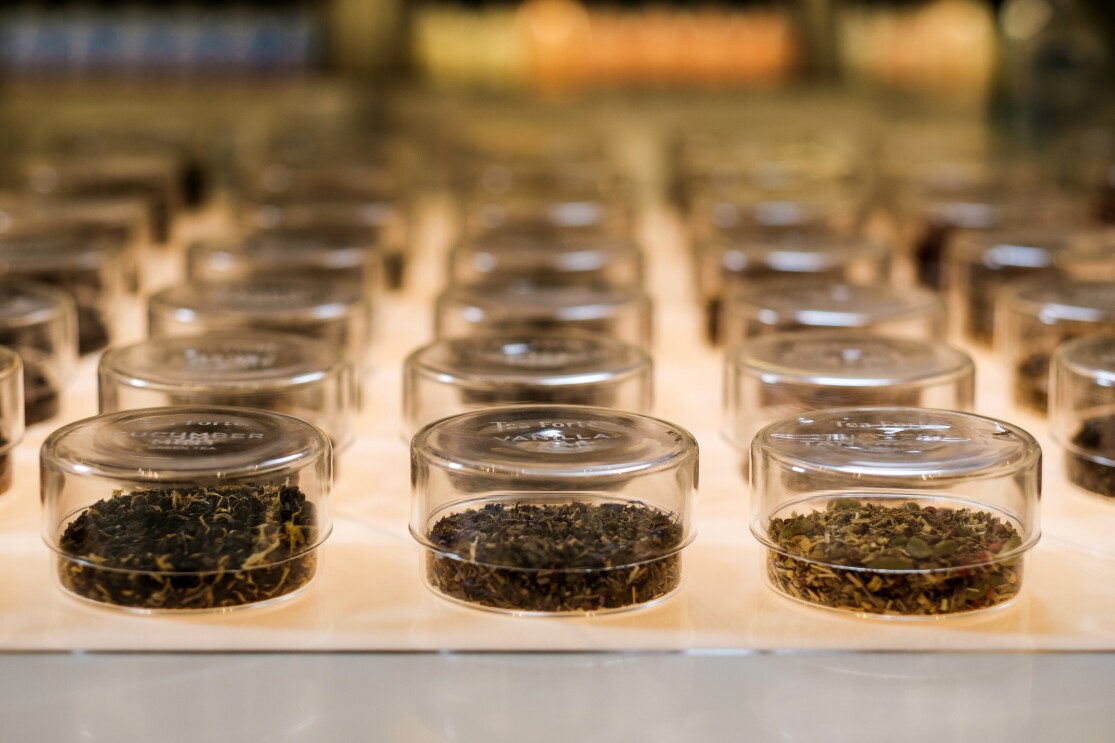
(369, 595)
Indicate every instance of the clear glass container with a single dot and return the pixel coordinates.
(534, 308)
(186, 509)
(790, 373)
(338, 313)
(123, 220)
(1036, 316)
(1082, 411)
(456, 375)
(545, 213)
(359, 198)
(39, 322)
(553, 509)
(284, 373)
(883, 309)
(309, 254)
(750, 212)
(506, 257)
(11, 412)
(896, 512)
(152, 178)
(90, 269)
(980, 264)
(727, 266)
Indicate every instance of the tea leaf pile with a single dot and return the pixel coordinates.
(904, 559)
(569, 557)
(202, 548)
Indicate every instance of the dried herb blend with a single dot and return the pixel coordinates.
(1095, 435)
(191, 548)
(904, 559)
(569, 557)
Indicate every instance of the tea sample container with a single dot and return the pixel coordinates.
(553, 509)
(535, 307)
(726, 266)
(339, 256)
(302, 377)
(171, 509)
(1037, 316)
(980, 264)
(1082, 411)
(895, 512)
(39, 322)
(90, 268)
(783, 374)
(338, 313)
(456, 375)
(883, 309)
(152, 178)
(522, 256)
(11, 412)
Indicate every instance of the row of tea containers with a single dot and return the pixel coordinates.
(548, 509)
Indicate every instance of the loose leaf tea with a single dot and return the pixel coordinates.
(191, 548)
(1096, 435)
(904, 560)
(569, 557)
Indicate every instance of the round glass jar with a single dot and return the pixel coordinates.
(186, 509)
(280, 372)
(882, 309)
(784, 374)
(535, 308)
(89, 268)
(336, 256)
(456, 375)
(338, 313)
(123, 220)
(895, 512)
(727, 266)
(152, 178)
(1082, 411)
(39, 322)
(11, 412)
(1036, 316)
(507, 257)
(541, 213)
(981, 263)
(553, 509)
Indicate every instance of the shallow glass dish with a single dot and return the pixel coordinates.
(725, 266)
(882, 309)
(330, 255)
(456, 375)
(507, 257)
(90, 268)
(11, 412)
(1082, 411)
(338, 313)
(186, 509)
(537, 308)
(896, 512)
(981, 264)
(782, 374)
(553, 509)
(280, 372)
(1036, 316)
(39, 322)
